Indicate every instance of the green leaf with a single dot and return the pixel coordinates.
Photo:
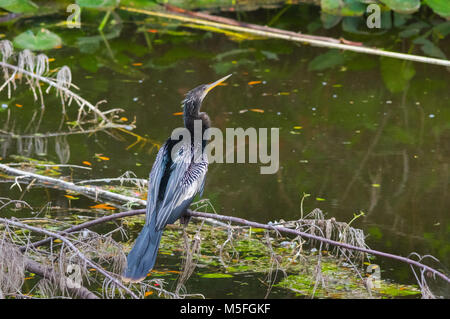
(98, 4)
(396, 73)
(413, 29)
(347, 8)
(18, 6)
(42, 40)
(217, 275)
(429, 48)
(327, 60)
(400, 19)
(442, 29)
(403, 6)
(441, 7)
(270, 55)
(329, 20)
(356, 25)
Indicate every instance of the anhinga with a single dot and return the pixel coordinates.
(176, 177)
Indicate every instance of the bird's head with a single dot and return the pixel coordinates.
(194, 97)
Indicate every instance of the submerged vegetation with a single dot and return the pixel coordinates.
(54, 66)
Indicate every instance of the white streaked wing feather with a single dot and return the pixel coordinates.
(188, 178)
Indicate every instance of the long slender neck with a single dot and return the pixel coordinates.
(190, 120)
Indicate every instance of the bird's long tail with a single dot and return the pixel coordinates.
(142, 256)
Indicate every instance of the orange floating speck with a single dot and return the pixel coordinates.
(103, 206)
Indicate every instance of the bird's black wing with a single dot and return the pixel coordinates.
(156, 175)
(186, 179)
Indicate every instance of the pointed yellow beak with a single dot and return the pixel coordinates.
(214, 84)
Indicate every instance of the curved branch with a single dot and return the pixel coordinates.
(245, 222)
(61, 184)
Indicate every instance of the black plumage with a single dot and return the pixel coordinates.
(177, 175)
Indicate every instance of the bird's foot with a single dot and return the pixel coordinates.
(184, 219)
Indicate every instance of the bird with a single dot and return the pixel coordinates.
(177, 176)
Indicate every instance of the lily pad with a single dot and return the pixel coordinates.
(441, 7)
(329, 20)
(18, 6)
(403, 6)
(42, 40)
(348, 8)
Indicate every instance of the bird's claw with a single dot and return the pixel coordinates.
(184, 219)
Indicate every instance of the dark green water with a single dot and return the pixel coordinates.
(360, 146)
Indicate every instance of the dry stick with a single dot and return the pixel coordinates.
(318, 238)
(229, 21)
(60, 184)
(85, 225)
(71, 246)
(254, 225)
(290, 37)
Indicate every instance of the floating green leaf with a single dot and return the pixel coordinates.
(42, 40)
(403, 6)
(217, 275)
(343, 7)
